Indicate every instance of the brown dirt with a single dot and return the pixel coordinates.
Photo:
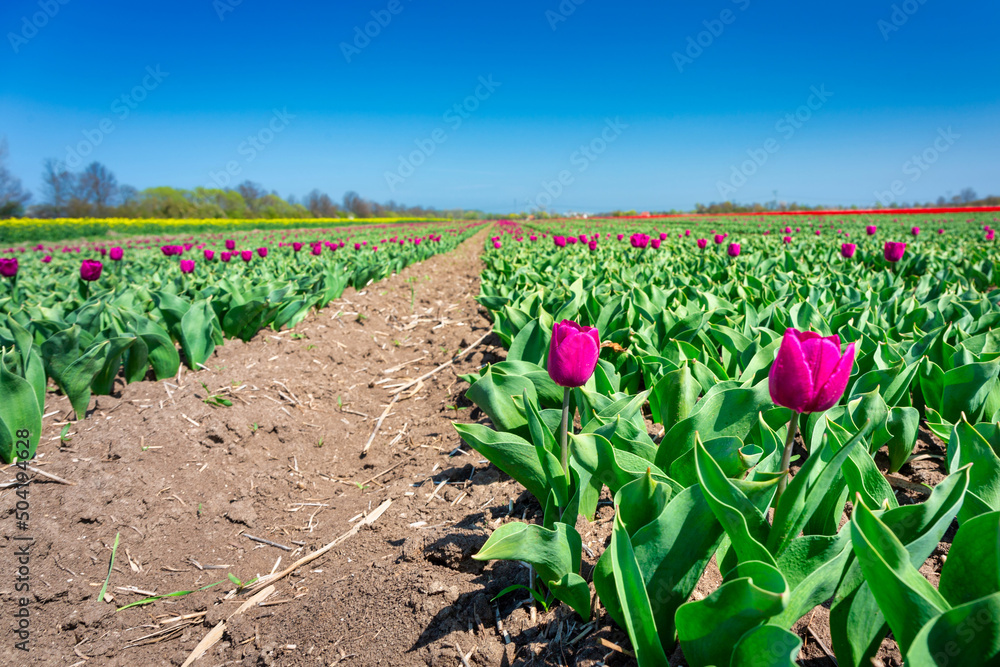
(183, 482)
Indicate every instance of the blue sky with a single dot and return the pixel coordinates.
(590, 106)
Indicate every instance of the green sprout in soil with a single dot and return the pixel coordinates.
(216, 399)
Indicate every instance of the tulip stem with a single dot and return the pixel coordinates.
(786, 456)
(563, 430)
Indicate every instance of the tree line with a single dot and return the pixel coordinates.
(95, 192)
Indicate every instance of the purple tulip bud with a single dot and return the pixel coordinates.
(786, 239)
(894, 251)
(847, 250)
(990, 235)
(47, 259)
(687, 232)
(871, 229)
(573, 353)
(209, 255)
(296, 246)
(734, 250)
(621, 236)
(809, 373)
(187, 266)
(719, 238)
(246, 255)
(262, 252)
(116, 254)
(8, 267)
(90, 270)
(560, 241)
(497, 245)
(225, 257)
(230, 245)
(702, 243)
(915, 231)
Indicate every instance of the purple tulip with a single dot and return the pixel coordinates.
(871, 229)
(209, 255)
(90, 270)
(8, 267)
(915, 231)
(246, 255)
(533, 237)
(809, 373)
(990, 235)
(116, 254)
(296, 246)
(225, 257)
(702, 243)
(621, 237)
(317, 249)
(573, 353)
(719, 238)
(786, 239)
(497, 245)
(733, 250)
(560, 241)
(655, 243)
(639, 240)
(230, 245)
(187, 266)
(894, 251)
(262, 252)
(47, 259)
(687, 232)
(847, 250)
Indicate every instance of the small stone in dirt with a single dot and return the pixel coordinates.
(450, 592)
(215, 615)
(412, 548)
(241, 511)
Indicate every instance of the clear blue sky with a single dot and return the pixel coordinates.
(683, 125)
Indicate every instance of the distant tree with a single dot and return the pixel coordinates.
(252, 194)
(967, 195)
(13, 197)
(321, 205)
(59, 186)
(353, 202)
(98, 187)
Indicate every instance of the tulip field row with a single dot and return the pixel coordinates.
(21, 230)
(753, 345)
(86, 316)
